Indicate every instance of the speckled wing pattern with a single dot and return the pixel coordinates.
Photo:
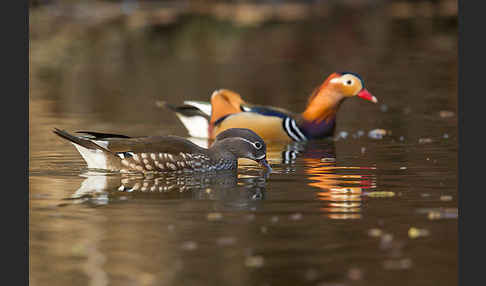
(163, 162)
(159, 154)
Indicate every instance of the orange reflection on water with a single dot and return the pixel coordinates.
(342, 202)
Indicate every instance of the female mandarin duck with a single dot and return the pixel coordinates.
(227, 110)
(167, 153)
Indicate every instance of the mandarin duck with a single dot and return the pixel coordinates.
(228, 110)
(155, 154)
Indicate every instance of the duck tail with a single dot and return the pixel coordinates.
(89, 149)
(86, 143)
(195, 116)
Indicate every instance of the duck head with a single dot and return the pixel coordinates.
(244, 143)
(350, 84)
(325, 100)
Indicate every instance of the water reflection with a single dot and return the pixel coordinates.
(341, 187)
(228, 187)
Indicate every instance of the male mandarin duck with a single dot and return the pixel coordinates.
(228, 110)
(156, 154)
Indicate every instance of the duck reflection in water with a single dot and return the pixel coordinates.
(340, 186)
(231, 189)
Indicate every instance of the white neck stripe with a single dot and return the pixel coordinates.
(249, 142)
(291, 129)
(298, 130)
(261, 157)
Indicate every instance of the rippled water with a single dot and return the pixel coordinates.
(349, 210)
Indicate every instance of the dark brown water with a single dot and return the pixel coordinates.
(375, 212)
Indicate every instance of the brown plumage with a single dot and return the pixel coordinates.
(166, 153)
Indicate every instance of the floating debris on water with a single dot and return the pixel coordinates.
(358, 134)
(377, 133)
(264, 229)
(381, 194)
(434, 215)
(355, 274)
(296, 216)
(446, 114)
(397, 264)
(342, 135)
(363, 150)
(274, 219)
(440, 213)
(214, 216)
(386, 241)
(425, 195)
(445, 136)
(425, 140)
(446, 198)
(254, 261)
(328, 160)
(403, 168)
(224, 241)
(170, 227)
(384, 108)
(375, 232)
(189, 245)
(311, 274)
(250, 217)
(401, 138)
(414, 232)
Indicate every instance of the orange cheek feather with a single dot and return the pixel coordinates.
(320, 106)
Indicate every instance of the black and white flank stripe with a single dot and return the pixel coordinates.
(292, 130)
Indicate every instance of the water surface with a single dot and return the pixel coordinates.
(349, 210)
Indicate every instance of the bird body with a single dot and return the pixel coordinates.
(270, 129)
(228, 110)
(166, 153)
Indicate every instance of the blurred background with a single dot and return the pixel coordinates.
(121, 56)
(380, 211)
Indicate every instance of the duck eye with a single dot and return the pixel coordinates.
(257, 145)
(349, 82)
